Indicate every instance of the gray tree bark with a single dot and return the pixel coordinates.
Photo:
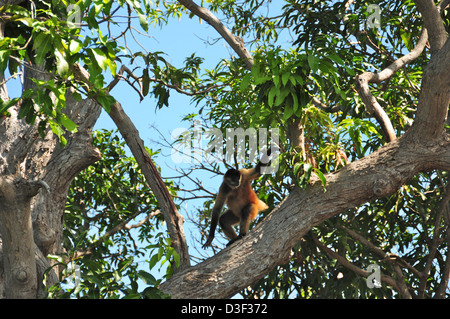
(35, 175)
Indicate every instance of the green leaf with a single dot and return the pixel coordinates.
(308, 169)
(147, 278)
(58, 258)
(281, 96)
(26, 107)
(145, 82)
(406, 37)
(160, 252)
(68, 123)
(299, 79)
(106, 101)
(276, 80)
(153, 261)
(112, 66)
(15, 9)
(4, 106)
(297, 167)
(143, 21)
(336, 58)
(245, 82)
(313, 62)
(260, 80)
(75, 46)
(42, 128)
(272, 92)
(176, 258)
(296, 104)
(322, 178)
(4, 56)
(100, 58)
(285, 78)
(288, 111)
(62, 66)
(58, 131)
(42, 45)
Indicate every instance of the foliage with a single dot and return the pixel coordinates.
(109, 232)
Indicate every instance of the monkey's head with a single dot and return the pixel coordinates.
(232, 178)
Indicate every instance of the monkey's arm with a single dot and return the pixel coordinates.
(255, 172)
(224, 190)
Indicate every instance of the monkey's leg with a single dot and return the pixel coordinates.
(247, 214)
(226, 221)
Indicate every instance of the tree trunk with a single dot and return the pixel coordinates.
(35, 175)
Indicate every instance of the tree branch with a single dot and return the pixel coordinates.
(433, 22)
(111, 232)
(436, 240)
(434, 97)
(235, 42)
(269, 244)
(344, 262)
(378, 251)
(362, 85)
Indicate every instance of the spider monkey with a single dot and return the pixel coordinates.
(242, 202)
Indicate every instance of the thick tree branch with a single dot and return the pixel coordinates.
(269, 244)
(434, 97)
(17, 237)
(433, 22)
(172, 217)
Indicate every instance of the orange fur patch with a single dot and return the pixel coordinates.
(241, 197)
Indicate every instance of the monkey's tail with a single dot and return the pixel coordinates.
(259, 207)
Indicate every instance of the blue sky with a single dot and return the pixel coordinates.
(178, 40)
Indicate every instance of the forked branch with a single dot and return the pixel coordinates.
(363, 80)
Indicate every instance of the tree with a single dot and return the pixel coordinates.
(362, 168)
